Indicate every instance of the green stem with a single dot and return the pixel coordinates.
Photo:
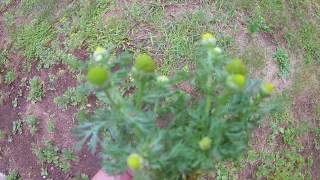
(140, 95)
(208, 105)
(113, 104)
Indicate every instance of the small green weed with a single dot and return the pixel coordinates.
(17, 127)
(2, 135)
(14, 175)
(317, 138)
(223, 172)
(317, 111)
(47, 57)
(8, 19)
(3, 59)
(2, 97)
(69, 155)
(36, 92)
(32, 123)
(10, 77)
(257, 24)
(27, 66)
(14, 102)
(51, 154)
(286, 165)
(51, 125)
(44, 172)
(282, 58)
(48, 154)
(72, 97)
(292, 132)
(81, 176)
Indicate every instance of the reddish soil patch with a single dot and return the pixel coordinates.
(17, 154)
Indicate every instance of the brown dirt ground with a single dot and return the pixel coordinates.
(18, 154)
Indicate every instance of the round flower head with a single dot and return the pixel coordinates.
(236, 81)
(236, 67)
(208, 38)
(205, 143)
(267, 88)
(99, 53)
(145, 63)
(97, 75)
(134, 161)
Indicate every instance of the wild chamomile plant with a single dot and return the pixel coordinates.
(160, 131)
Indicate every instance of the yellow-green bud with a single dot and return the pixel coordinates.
(98, 53)
(236, 67)
(236, 81)
(134, 161)
(267, 88)
(208, 38)
(145, 63)
(97, 75)
(205, 143)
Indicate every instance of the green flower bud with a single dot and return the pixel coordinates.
(98, 53)
(236, 81)
(145, 63)
(205, 143)
(267, 88)
(97, 75)
(208, 38)
(134, 161)
(236, 67)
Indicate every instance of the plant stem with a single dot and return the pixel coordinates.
(113, 104)
(140, 95)
(208, 105)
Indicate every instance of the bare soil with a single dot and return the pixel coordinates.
(17, 155)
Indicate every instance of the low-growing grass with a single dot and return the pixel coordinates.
(13, 175)
(2, 135)
(72, 97)
(51, 125)
(257, 24)
(51, 154)
(32, 123)
(3, 59)
(10, 77)
(2, 97)
(17, 127)
(282, 58)
(32, 38)
(282, 165)
(81, 176)
(36, 92)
